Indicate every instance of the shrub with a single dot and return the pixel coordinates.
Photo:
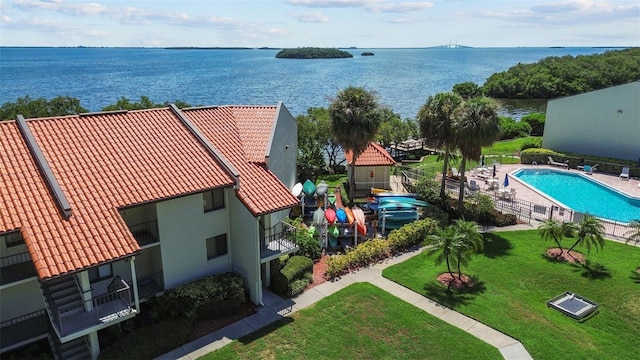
(479, 207)
(309, 245)
(504, 219)
(536, 122)
(411, 234)
(532, 143)
(296, 268)
(214, 296)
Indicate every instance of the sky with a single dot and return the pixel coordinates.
(320, 23)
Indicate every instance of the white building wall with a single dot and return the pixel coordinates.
(283, 150)
(245, 247)
(20, 298)
(184, 227)
(600, 123)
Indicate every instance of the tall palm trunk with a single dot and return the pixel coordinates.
(445, 168)
(463, 164)
(352, 182)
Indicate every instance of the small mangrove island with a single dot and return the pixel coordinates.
(313, 53)
(367, 53)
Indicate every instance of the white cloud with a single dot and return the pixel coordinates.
(401, 7)
(369, 5)
(310, 17)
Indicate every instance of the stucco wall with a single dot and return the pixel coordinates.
(184, 227)
(20, 299)
(283, 150)
(601, 123)
(244, 247)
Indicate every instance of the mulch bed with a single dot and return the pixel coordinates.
(454, 281)
(573, 257)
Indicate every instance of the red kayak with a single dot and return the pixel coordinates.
(330, 214)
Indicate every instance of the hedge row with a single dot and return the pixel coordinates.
(297, 268)
(377, 249)
(605, 165)
(214, 296)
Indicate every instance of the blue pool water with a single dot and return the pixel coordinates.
(582, 194)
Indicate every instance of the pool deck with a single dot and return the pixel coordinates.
(630, 187)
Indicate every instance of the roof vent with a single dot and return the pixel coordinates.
(44, 168)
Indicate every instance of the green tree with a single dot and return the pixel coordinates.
(467, 90)
(633, 234)
(536, 122)
(589, 232)
(443, 244)
(355, 119)
(552, 230)
(41, 107)
(436, 118)
(310, 160)
(471, 242)
(476, 125)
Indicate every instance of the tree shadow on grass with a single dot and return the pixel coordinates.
(635, 276)
(253, 336)
(592, 270)
(496, 246)
(453, 298)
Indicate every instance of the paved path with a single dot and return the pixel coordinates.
(276, 307)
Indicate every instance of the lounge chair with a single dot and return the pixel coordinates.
(625, 173)
(561, 164)
(589, 169)
(512, 194)
(455, 172)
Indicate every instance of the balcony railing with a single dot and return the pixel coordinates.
(102, 309)
(279, 240)
(23, 330)
(146, 233)
(149, 285)
(15, 268)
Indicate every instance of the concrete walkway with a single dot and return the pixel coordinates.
(276, 307)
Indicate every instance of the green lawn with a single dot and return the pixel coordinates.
(515, 283)
(358, 322)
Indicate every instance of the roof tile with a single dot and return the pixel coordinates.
(373, 155)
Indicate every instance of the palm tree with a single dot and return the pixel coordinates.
(476, 125)
(436, 118)
(552, 229)
(471, 242)
(589, 232)
(443, 243)
(634, 233)
(355, 119)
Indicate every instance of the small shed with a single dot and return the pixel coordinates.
(372, 170)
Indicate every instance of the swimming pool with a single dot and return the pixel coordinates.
(582, 194)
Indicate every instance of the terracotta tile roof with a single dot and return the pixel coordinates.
(102, 162)
(373, 155)
(241, 134)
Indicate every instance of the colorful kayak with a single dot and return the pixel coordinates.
(398, 194)
(341, 215)
(415, 202)
(359, 215)
(297, 189)
(399, 215)
(330, 215)
(318, 217)
(350, 217)
(309, 188)
(333, 231)
(322, 188)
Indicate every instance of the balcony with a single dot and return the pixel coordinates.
(23, 330)
(15, 268)
(149, 285)
(77, 319)
(145, 233)
(279, 240)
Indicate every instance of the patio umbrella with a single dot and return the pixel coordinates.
(494, 170)
(482, 162)
(506, 180)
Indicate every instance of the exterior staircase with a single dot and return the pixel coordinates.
(77, 349)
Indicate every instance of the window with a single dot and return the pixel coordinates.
(213, 199)
(100, 273)
(216, 246)
(12, 239)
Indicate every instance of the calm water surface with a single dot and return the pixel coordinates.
(581, 194)
(403, 78)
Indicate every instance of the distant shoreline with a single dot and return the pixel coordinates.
(276, 48)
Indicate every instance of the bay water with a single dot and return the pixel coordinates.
(402, 78)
